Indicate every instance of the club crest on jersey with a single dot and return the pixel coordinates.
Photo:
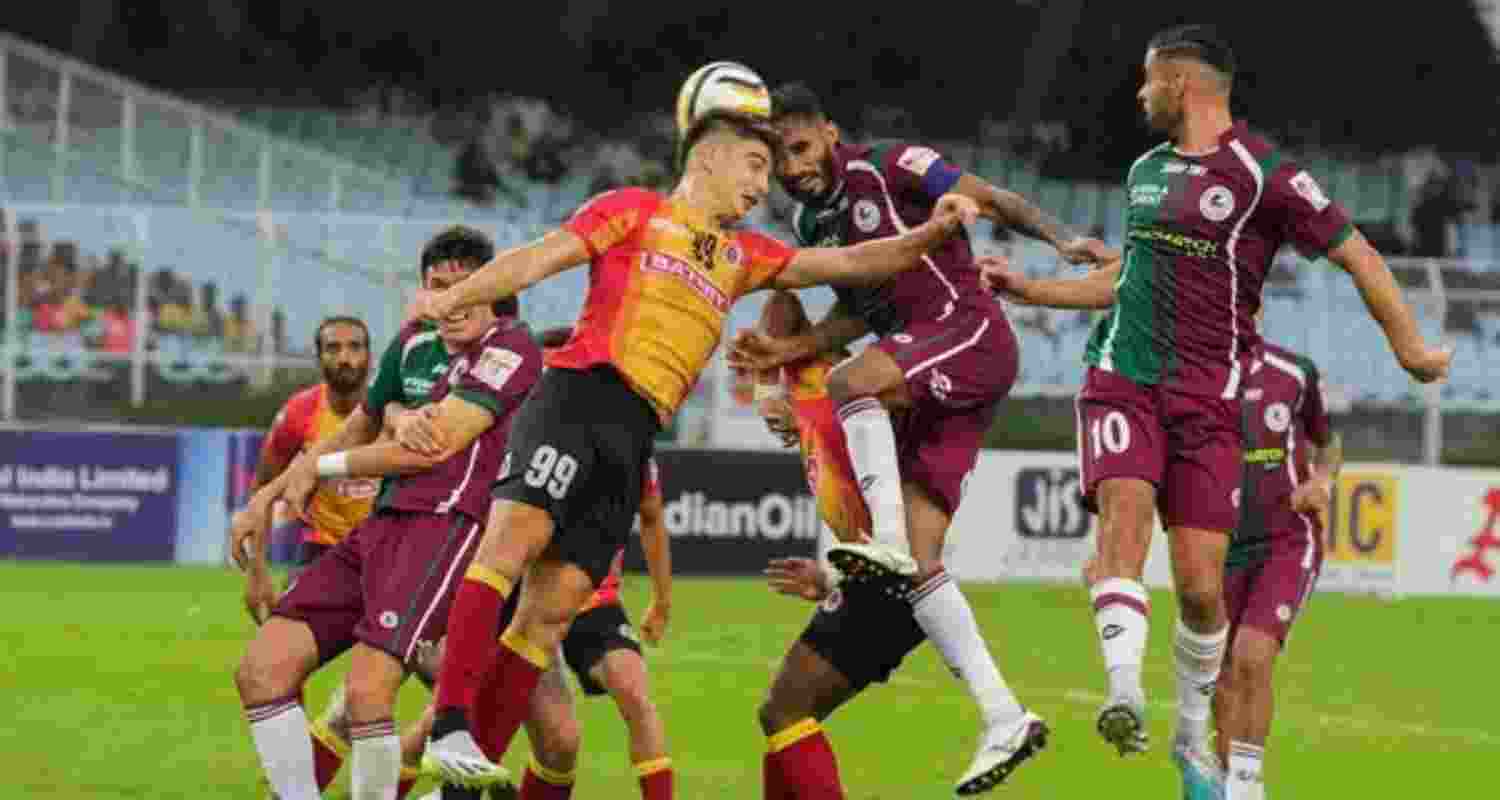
(866, 215)
(704, 247)
(389, 619)
(495, 366)
(1216, 204)
(732, 255)
(1278, 417)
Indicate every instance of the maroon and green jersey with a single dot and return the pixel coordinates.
(1201, 232)
(495, 372)
(1284, 417)
(884, 190)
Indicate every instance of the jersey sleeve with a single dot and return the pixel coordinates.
(386, 388)
(915, 169)
(1310, 220)
(1314, 412)
(610, 218)
(288, 431)
(501, 375)
(764, 259)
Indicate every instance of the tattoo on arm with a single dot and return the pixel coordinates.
(1024, 217)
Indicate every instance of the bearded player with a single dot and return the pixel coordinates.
(343, 348)
(664, 272)
(946, 355)
(1291, 462)
(1159, 412)
(386, 588)
(860, 633)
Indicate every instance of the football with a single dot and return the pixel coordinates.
(721, 86)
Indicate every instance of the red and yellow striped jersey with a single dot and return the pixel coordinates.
(825, 455)
(337, 506)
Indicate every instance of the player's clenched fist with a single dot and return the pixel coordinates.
(954, 209)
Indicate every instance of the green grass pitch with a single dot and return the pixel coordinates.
(116, 682)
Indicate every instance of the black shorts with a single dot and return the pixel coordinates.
(594, 634)
(577, 450)
(864, 635)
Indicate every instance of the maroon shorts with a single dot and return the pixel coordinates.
(957, 368)
(1267, 593)
(388, 584)
(1188, 446)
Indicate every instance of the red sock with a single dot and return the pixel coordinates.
(656, 779)
(471, 636)
(326, 759)
(805, 762)
(506, 694)
(541, 783)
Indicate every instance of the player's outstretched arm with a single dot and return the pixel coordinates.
(1019, 214)
(507, 274)
(1382, 296)
(1092, 291)
(873, 262)
(656, 544)
(457, 421)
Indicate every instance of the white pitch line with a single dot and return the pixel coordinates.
(1088, 698)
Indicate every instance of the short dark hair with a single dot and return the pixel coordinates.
(796, 99)
(1201, 42)
(741, 125)
(469, 246)
(338, 320)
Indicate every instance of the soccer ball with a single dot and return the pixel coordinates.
(721, 86)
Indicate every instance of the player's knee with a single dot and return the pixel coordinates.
(370, 697)
(1252, 661)
(777, 715)
(263, 676)
(1199, 598)
(633, 701)
(559, 745)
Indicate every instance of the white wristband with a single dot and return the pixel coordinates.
(333, 465)
(767, 391)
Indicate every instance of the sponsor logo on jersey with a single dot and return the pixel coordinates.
(1310, 191)
(1147, 194)
(664, 264)
(496, 365)
(1216, 203)
(1180, 167)
(1182, 243)
(917, 160)
(866, 215)
(941, 386)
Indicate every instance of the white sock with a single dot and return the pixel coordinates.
(948, 621)
(280, 732)
(1243, 781)
(872, 453)
(1198, 658)
(376, 761)
(1122, 612)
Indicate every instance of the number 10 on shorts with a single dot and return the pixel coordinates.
(551, 470)
(1110, 432)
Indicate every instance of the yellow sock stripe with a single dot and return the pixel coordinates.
(653, 766)
(320, 731)
(410, 773)
(789, 736)
(479, 573)
(536, 655)
(551, 776)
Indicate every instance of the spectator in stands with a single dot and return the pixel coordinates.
(169, 314)
(239, 331)
(278, 332)
(209, 321)
(1440, 202)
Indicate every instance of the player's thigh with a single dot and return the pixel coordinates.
(1120, 437)
(805, 685)
(870, 373)
(623, 673)
(968, 359)
(1205, 463)
(413, 565)
(552, 595)
(327, 598)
